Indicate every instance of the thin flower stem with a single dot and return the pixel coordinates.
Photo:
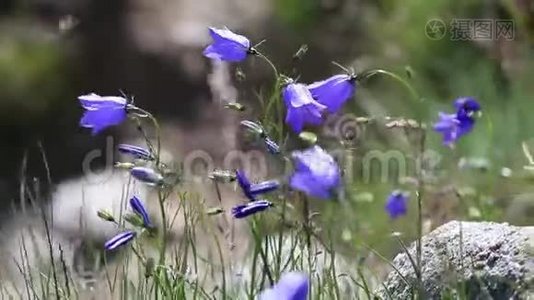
(161, 198)
(307, 230)
(280, 239)
(335, 63)
(263, 255)
(145, 114)
(158, 138)
(420, 192)
(279, 110)
(371, 73)
(420, 157)
(270, 63)
(163, 245)
(139, 256)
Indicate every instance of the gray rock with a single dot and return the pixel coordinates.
(493, 261)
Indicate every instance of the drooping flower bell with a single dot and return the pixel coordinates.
(316, 172)
(139, 208)
(119, 240)
(334, 91)
(135, 151)
(252, 190)
(396, 204)
(453, 126)
(227, 46)
(245, 210)
(302, 109)
(102, 112)
(291, 286)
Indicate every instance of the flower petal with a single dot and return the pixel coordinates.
(291, 286)
(102, 118)
(227, 46)
(94, 101)
(316, 172)
(396, 204)
(301, 108)
(226, 35)
(310, 185)
(333, 92)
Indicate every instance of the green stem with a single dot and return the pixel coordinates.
(263, 255)
(158, 137)
(280, 240)
(161, 198)
(163, 244)
(307, 230)
(420, 192)
(278, 105)
(420, 156)
(269, 62)
(141, 113)
(368, 74)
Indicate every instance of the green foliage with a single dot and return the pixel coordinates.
(31, 76)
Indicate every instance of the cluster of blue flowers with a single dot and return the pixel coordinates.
(306, 104)
(316, 173)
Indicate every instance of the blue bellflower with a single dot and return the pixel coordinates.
(135, 151)
(454, 126)
(316, 172)
(333, 92)
(102, 112)
(302, 109)
(245, 210)
(119, 240)
(227, 46)
(291, 286)
(252, 190)
(396, 204)
(139, 209)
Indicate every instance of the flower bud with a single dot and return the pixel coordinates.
(245, 210)
(105, 215)
(147, 175)
(135, 151)
(119, 240)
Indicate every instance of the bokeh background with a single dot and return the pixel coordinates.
(51, 51)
